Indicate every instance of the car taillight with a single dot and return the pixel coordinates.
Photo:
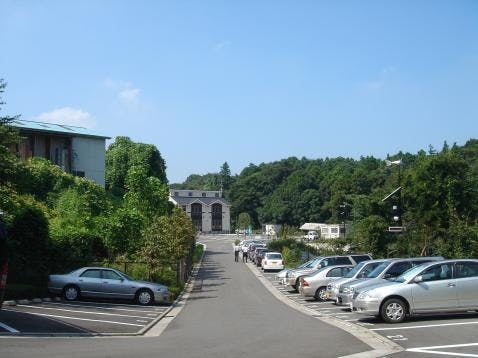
(305, 283)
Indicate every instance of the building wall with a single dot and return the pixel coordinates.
(207, 217)
(89, 157)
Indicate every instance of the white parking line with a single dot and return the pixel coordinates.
(82, 319)
(8, 328)
(100, 307)
(85, 312)
(112, 304)
(425, 326)
(432, 350)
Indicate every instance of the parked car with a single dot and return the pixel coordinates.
(315, 284)
(272, 261)
(445, 286)
(359, 271)
(252, 250)
(259, 255)
(311, 235)
(282, 274)
(387, 270)
(104, 282)
(292, 277)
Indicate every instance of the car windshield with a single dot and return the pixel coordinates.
(356, 269)
(311, 263)
(378, 270)
(274, 256)
(409, 274)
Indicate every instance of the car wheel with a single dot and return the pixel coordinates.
(320, 293)
(393, 310)
(297, 284)
(144, 297)
(71, 293)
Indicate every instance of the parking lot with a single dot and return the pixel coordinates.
(450, 335)
(78, 318)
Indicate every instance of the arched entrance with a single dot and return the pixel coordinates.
(216, 217)
(196, 215)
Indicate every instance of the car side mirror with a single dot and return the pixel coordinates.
(418, 279)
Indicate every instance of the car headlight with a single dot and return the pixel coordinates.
(364, 296)
(346, 290)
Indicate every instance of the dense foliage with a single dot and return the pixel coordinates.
(57, 222)
(439, 199)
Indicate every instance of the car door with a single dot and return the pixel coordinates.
(437, 290)
(90, 282)
(466, 274)
(114, 285)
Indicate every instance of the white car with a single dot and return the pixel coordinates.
(311, 235)
(272, 261)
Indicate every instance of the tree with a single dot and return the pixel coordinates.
(167, 241)
(225, 176)
(244, 221)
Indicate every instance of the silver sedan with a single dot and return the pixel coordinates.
(315, 284)
(444, 286)
(104, 282)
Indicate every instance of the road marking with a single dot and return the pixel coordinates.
(86, 312)
(81, 319)
(109, 304)
(100, 307)
(431, 350)
(425, 326)
(8, 328)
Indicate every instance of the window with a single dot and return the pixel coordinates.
(398, 268)
(91, 274)
(190, 193)
(466, 269)
(334, 230)
(111, 275)
(325, 230)
(360, 258)
(342, 261)
(203, 195)
(216, 195)
(335, 272)
(437, 272)
(184, 207)
(176, 193)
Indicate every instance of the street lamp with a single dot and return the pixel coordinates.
(396, 208)
(343, 213)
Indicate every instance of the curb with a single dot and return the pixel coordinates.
(381, 345)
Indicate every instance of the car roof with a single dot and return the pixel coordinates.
(273, 252)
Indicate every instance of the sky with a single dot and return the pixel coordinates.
(247, 81)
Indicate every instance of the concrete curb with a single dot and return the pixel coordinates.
(381, 346)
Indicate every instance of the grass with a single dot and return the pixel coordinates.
(198, 251)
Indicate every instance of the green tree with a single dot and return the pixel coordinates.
(244, 221)
(225, 176)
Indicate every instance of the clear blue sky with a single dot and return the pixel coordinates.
(247, 81)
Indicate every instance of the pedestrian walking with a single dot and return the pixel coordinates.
(244, 255)
(236, 253)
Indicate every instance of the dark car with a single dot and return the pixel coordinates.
(252, 250)
(259, 255)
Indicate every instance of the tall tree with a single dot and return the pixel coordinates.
(225, 175)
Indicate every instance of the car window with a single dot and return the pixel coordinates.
(335, 272)
(91, 274)
(361, 258)
(274, 256)
(437, 272)
(111, 275)
(398, 268)
(466, 269)
(343, 261)
(378, 270)
(356, 269)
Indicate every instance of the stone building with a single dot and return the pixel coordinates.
(208, 210)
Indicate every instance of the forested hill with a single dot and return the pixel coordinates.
(440, 192)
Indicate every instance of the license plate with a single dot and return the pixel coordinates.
(274, 262)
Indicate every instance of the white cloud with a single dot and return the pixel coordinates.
(125, 91)
(69, 116)
(220, 46)
(130, 95)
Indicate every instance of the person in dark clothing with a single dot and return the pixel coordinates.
(244, 255)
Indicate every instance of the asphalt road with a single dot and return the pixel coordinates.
(229, 314)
